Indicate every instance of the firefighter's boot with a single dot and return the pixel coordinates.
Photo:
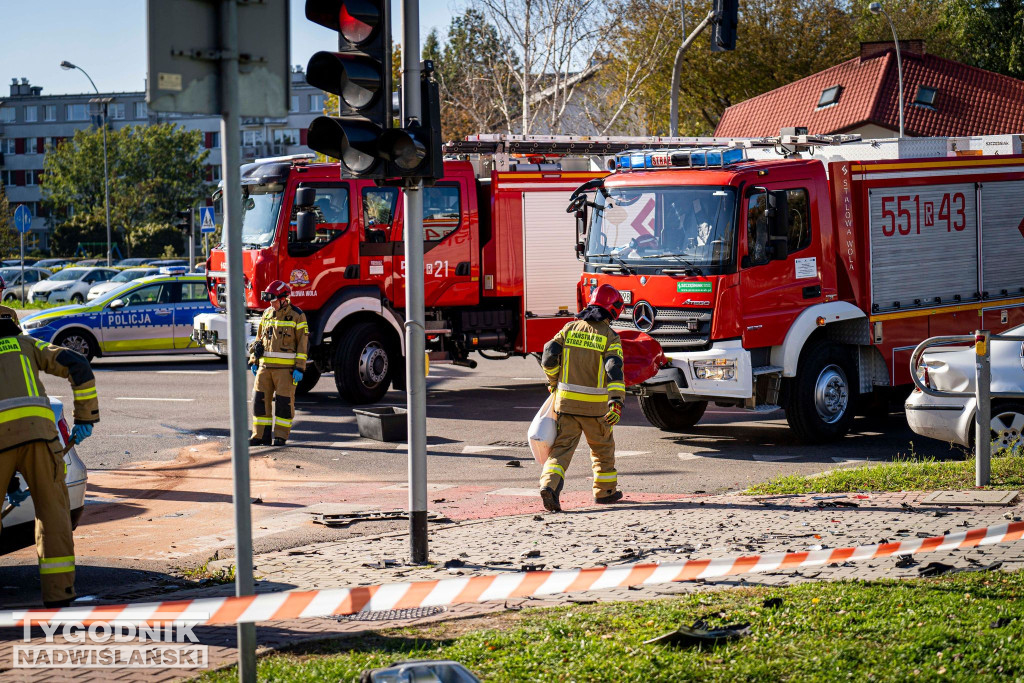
(607, 500)
(278, 441)
(549, 496)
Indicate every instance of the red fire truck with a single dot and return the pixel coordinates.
(800, 272)
(500, 268)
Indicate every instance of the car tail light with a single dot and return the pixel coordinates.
(65, 433)
(922, 375)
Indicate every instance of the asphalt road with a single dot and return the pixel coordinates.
(160, 481)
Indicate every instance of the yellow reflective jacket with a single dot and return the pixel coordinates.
(285, 336)
(584, 366)
(25, 413)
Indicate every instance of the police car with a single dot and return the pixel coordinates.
(149, 315)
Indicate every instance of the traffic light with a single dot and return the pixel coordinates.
(359, 73)
(723, 27)
(362, 137)
(183, 220)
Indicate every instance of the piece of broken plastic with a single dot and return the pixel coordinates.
(420, 671)
(701, 633)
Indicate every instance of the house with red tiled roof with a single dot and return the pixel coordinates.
(941, 98)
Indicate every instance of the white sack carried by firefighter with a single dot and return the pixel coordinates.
(543, 431)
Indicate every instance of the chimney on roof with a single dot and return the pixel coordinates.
(908, 48)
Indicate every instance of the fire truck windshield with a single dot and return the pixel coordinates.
(664, 226)
(260, 207)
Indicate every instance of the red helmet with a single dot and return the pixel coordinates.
(276, 290)
(608, 298)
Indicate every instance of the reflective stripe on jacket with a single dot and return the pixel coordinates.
(584, 366)
(25, 413)
(285, 336)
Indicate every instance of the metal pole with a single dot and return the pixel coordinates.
(983, 410)
(22, 269)
(677, 69)
(899, 65)
(416, 396)
(192, 241)
(232, 198)
(106, 186)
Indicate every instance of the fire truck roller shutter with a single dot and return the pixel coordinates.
(913, 231)
(1002, 214)
(787, 355)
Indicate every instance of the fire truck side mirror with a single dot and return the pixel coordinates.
(581, 229)
(305, 226)
(305, 196)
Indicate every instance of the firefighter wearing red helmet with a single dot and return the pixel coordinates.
(278, 359)
(584, 367)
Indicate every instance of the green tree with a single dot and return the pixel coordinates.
(479, 92)
(154, 172)
(987, 33)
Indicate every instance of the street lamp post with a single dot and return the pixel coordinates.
(876, 9)
(67, 66)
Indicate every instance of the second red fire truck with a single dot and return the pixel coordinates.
(800, 272)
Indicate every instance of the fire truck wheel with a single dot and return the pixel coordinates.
(363, 364)
(821, 396)
(669, 415)
(310, 376)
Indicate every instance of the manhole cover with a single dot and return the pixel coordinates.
(510, 444)
(971, 498)
(389, 614)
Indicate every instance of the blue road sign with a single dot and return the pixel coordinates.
(206, 219)
(22, 219)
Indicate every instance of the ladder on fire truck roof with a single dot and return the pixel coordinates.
(505, 150)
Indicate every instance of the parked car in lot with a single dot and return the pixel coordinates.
(12, 281)
(124, 276)
(134, 262)
(53, 264)
(18, 509)
(951, 368)
(149, 315)
(168, 262)
(17, 262)
(69, 285)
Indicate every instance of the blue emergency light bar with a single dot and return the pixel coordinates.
(696, 158)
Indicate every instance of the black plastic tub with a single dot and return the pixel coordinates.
(382, 424)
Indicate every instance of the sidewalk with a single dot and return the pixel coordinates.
(648, 531)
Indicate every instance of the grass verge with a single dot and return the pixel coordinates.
(965, 626)
(903, 475)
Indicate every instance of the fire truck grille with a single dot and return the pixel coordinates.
(674, 328)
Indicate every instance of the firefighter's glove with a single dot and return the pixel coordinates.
(614, 413)
(296, 376)
(551, 388)
(254, 369)
(81, 432)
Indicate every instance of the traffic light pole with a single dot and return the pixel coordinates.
(415, 347)
(230, 140)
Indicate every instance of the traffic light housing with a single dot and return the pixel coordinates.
(183, 220)
(723, 28)
(359, 73)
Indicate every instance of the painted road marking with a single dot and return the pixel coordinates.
(626, 454)
(687, 456)
(532, 493)
(774, 458)
(187, 372)
(528, 379)
(129, 398)
(405, 487)
(481, 449)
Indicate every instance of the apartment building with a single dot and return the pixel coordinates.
(30, 121)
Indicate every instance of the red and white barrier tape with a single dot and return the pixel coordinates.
(340, 601)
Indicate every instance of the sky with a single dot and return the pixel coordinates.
(107, 38)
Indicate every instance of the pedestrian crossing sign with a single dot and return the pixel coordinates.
(206, 219)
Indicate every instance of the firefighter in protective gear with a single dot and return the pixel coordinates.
(584, 367)
(278, 359)
(29, 444)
